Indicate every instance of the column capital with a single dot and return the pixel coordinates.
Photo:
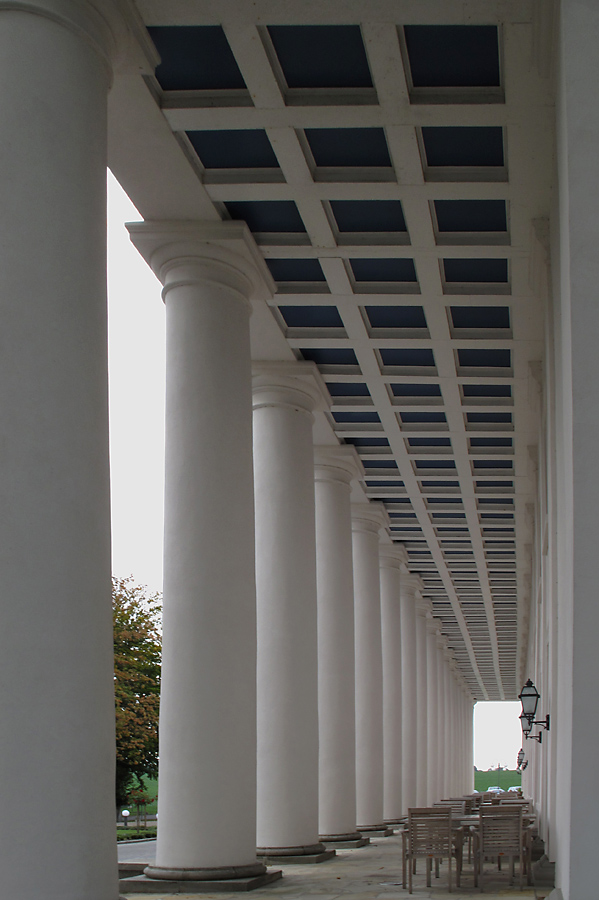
(423, 607)
(182, 253)
(338, 464)
(297, 385)
(106, 25)
(411, 583)
(448, 654)
(432, 624)
(392, 556)
(369, 517)
(441, 639)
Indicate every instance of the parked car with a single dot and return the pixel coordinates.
(515, 787)
(496, 788)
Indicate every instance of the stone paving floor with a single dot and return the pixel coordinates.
(368, 873)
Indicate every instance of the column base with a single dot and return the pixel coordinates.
(141, 884)
(381, 830)
(400, 820)
(307, 853)
(350, 840)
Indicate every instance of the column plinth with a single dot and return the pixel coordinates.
(207, 772)
(335, 467)
(285, 394)
(367, 521)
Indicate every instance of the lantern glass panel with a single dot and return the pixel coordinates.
(526, 725)
(529, 697)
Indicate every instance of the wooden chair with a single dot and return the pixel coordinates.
(458, 806)
(499, 834)
(430, 836)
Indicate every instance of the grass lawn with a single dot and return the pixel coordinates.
(505, 779)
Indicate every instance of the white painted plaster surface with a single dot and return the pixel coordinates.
(432, 710)
(207, 802)
(421, 706)
(56, 703)
(336, 684)
(366, 522)
(409, 692)
(287, 614)
(391, 558)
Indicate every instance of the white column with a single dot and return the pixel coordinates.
(285, 394)
(449, 724)
(367, 520)
(392, 557)
(470, 754)
(409, 584)
(574, 724)
(422, 608)
(56, 667)
(334, 469)
(207, 802)
(432, 710)
(442, 717)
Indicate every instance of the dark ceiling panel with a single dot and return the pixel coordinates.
(471, 215)
(267, 215)
(227, 149)
(453, 55)
(368, 215)
(195, 58)
(342, 147)
(295, 269)
(321, 56)
(456, 145)
(311, 316)
(381, 270)
(484, 271)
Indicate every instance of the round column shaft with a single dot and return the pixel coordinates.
(409, 584)
(432, 709)
(448, 760)
(284, 396)
(207, 776)
(334, 469)
(392, 556)
(422, 609)
(442, 719)
(367, 520)
(56, 666)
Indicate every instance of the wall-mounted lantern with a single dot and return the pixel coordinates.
(529, 698)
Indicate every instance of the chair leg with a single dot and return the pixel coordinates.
(449, 866)
(437, 867)
(409, 876)
(521, 861)
(429, 866)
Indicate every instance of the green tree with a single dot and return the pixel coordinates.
(137, 647)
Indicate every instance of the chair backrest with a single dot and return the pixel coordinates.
(429, 831)
(500, 830)
(458, 806)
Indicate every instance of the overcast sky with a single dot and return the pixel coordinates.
(137, 369)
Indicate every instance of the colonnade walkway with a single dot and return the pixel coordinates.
(368, 873)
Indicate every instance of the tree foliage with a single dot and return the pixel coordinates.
(137, 648)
